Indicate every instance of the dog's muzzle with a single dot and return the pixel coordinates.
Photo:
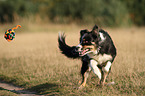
(82, 51)
(79, 49)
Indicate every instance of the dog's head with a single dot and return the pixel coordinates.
(88, 41)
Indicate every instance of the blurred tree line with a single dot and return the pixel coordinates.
(101, 12)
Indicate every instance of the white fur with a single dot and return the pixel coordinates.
(79, 47)
(107, 67)
(100, 58)
(102, 36)
(60, 36)
(93, 64)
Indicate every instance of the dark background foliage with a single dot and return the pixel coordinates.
(102, 12)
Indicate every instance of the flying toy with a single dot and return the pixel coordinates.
(10, 33)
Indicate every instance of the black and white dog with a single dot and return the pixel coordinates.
(96, 50)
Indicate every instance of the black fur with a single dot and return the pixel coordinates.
(85, 62)
(107, 47)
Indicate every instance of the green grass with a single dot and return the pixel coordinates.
(32, 60)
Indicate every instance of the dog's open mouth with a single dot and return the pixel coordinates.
(85, 51)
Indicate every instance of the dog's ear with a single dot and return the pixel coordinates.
(96, 27)
(95, 31)
(82, 32)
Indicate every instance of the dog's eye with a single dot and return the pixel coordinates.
(86, 41)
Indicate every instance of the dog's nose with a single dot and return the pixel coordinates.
(79, 48)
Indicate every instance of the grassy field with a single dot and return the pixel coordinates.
(32, 60)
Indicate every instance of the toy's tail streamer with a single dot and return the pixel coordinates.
(16, 27)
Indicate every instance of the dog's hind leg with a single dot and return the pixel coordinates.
(104, 75)
(84, 78)
(105, 70)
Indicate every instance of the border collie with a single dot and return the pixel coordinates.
(96, 50)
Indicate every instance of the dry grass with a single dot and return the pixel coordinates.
(33, 60)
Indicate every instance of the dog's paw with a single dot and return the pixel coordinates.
(81, 87)
(105, 84)
(79, 82)
(111, 83)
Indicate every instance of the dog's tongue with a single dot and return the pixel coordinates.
(84, 51)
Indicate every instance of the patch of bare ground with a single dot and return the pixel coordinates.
(18, 90)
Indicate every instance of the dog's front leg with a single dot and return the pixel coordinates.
(93, 64)
(84, 78)
(85, 70)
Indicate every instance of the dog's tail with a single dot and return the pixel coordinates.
(68, 51)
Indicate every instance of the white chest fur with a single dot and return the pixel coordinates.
(100, 58)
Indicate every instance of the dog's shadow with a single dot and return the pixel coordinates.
(50, 89)
(46, 88)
